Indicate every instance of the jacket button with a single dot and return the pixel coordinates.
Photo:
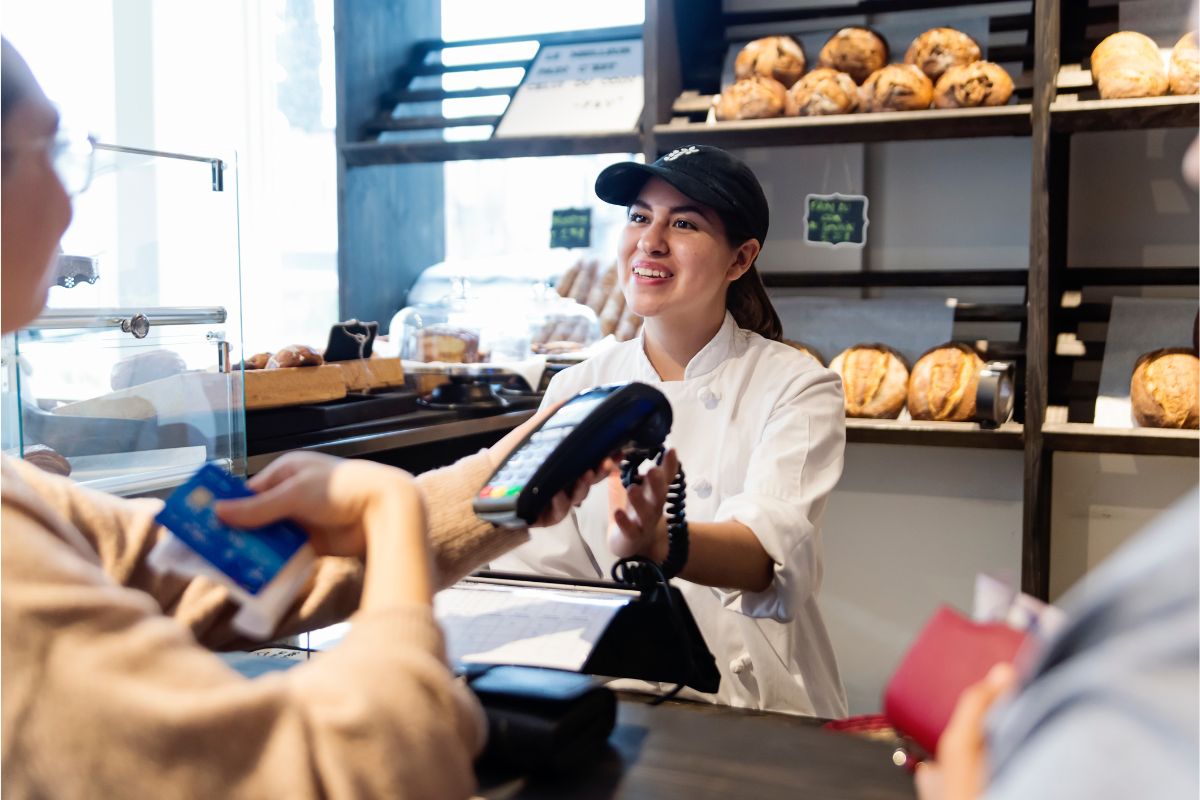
(703, 489)
(740, 664)
(709, 399)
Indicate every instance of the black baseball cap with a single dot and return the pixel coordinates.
(708, 175)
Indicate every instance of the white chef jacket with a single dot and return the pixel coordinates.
(760, 432)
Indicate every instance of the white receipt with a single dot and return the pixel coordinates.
(534, 627)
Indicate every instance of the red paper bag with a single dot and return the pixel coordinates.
(950, 653)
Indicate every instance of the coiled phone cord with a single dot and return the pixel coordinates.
(647, 575)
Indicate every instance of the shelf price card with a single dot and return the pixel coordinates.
(578, 88)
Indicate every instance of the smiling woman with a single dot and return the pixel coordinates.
(758, 426)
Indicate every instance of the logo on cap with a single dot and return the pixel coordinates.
(681, 151)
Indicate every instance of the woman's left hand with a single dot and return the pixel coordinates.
(960, 772)
(638, 526)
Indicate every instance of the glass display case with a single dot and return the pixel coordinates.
(128, 372)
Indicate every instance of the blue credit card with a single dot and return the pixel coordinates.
(251, 558)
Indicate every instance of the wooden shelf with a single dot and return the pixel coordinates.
(1081, 116)
(934, 434)
(895, 278)
(847, 128)
(362, 154)
(1080, 437)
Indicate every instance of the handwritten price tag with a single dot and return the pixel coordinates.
(835, 220)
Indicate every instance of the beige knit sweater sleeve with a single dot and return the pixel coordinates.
(104, 697)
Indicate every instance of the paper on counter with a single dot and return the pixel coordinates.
(542, 627)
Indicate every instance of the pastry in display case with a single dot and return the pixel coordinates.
(778, 57)
(125, 382)
(1128, 64)
(874, 380)
(938, 49)
(855, 50)
(1164, 391)
(944, 383)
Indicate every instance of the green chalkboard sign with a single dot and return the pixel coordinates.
(836, 220)
(571, 227)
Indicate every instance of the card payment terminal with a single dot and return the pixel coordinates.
(583, 432)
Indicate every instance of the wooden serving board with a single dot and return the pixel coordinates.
(371, 373)
(293, 386)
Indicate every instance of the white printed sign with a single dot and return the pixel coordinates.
(578, 88)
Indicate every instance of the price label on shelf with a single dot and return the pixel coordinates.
(835, 220)
(571, 227)
(577, 89)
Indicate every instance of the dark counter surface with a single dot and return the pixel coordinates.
(693, 751)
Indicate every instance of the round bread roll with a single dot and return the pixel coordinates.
(1164, 390)
(938, 49)
(896, 87)
(256, 361)
(145, 367)
(295, 355)
(808, 351)
(820, 92)
(1128, 64)
(753, 98)
(47, 459)
(856, 51)
(943, 384)
(874, 380)
(1184, 74)
(778, 57)
(980, 83)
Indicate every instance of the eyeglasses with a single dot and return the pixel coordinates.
(72, 154)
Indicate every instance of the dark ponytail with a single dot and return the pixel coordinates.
(751, 307)
(747, 298)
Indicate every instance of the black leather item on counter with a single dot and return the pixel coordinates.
(351, 340)
(543, 720)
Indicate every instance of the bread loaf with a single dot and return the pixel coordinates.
(567, 281)
(582, 286)
(629, 325)
(1164, 390)
(610, 314)
(938, 49)
(856, 51)
(295, 355)
(753, 98)
(602, 288)
(896, 87)
(820, 92)
(778, 57)
(980, 83)
(1183, 77)
(256, 361)
(47, 459)
(1128, 64)
(874, 380)
(808, 351)
(944, 382)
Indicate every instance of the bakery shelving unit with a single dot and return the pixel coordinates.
(1065, 103)
(391, 193)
